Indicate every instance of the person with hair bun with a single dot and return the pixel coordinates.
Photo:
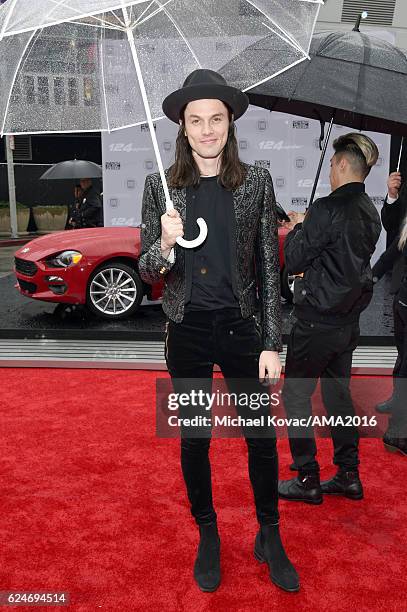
(329, 249)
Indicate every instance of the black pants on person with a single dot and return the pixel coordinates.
(192, 347)
(317, 350)
(398, 421)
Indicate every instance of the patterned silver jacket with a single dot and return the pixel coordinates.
(255, 243)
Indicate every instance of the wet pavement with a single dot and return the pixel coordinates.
(22, 317)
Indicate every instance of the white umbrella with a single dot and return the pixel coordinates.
(101, 65)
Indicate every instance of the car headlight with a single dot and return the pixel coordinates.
(65, 259)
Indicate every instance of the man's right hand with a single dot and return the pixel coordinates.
(393, 184)
(171, 228)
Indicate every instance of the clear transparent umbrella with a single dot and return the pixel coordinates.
(101, 65)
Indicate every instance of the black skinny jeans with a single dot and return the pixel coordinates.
(192, 347)
(317, 350)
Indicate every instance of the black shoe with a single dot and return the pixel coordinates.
(293, 467)
(385, 407)
(269, 549)
(344, 483)
(395, 445)
(306, 488)
(207, 563)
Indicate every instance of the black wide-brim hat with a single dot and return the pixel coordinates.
(204, 84)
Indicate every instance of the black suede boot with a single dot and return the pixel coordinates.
(346, 483)
(269, 549)
(207, 563)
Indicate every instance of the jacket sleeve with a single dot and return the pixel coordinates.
(152, 265)
(391, 215)
(268, 270)
(386, 261)
(308, 239)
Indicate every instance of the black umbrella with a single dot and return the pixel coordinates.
(73, 169)
(351, 79)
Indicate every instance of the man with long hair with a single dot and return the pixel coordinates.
(210, 297)
(330, 250)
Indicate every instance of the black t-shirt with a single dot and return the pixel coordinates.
(211, 268)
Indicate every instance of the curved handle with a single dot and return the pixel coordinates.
(203, 232)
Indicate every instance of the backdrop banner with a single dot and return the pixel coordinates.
(288, 146)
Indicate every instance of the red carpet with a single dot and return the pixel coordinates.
(93, 503)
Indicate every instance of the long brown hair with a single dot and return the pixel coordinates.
(403, 235)
(185, 172)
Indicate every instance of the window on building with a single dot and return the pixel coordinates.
(29, 89)
(73, 92)
(59, 91)
(43, 90)
(88, 92)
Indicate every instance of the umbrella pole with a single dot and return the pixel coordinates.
(203, 229)
(321, 161)
(11, 188)
(400, 154)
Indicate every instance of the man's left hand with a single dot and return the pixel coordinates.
(295, 217)
(269, 363)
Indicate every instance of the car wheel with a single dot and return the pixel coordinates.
(285, 289)
(115, 291)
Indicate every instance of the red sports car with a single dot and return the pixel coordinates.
(95, 266)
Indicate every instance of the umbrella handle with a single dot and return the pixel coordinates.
(203, 231)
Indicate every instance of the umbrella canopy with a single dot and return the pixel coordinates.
(359, 80)
(71, 66)
(86, 65)
(72, 169)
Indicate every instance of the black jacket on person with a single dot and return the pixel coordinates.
(333, 247)
(386, 263)
(91, 210)
(392, 218)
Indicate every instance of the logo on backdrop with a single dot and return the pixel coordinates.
(280, 181)
(144, 127)
(277, 145)
(128, 148)
(300, 163)
(261, 125)
(299, 201)
(167, 145)
(112, 165)
(131, 184)
(148, 164)
(262, 163)
(300, 125)
(243, 144)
